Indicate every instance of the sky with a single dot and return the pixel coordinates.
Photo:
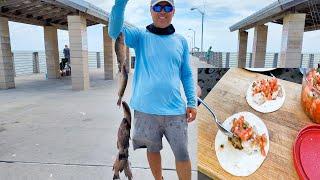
(219, 16)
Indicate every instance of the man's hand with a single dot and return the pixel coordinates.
(191, 114)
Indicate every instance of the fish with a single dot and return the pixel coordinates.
(123, 83)
(120, 50)
(122, 162)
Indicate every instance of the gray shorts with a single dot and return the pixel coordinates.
(149, 129)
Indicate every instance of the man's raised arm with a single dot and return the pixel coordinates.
(116, 25)
(116, 18)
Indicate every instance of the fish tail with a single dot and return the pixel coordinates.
(115, 177)
(119, 101)
(127, 170)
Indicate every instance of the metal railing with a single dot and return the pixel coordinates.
(230, 59)
(25, 62)
(28, 62)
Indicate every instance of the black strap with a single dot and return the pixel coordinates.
(123, 156)
(161, 31)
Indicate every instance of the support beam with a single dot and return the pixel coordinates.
(14, 67)
(52, 52)
(259, 46)
(242, 48)
(35, 62)
(292, 38)
(311, 61)
(275, 60)
(9, 3)
(250, 60)
(6, 59)
(98, 60)
(110, 61)
(227, 60)
(77, 26)
(25, 7)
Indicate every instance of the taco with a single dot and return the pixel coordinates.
(244, 156)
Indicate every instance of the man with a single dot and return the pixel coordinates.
(208, 54)
(66, 52)
(65, 60)
(162, 63)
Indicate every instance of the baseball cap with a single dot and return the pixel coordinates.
(154, 2)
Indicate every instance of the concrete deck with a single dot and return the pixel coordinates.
(48, 131)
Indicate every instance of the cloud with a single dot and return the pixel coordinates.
(220, 15)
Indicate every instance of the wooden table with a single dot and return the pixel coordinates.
(228, 98)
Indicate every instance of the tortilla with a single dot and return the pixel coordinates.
(268, 106)
(240, 162)
(260, 69)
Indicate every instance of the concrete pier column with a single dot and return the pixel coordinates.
(110, 61)
(250, 60)
(259, 46)
(227, 60)
(128, 59)
(14, 67)
(292, 38)
(311, 60)
(275, 60)
(98, 60)
(6, 58)
(35, 62)
(77, 26)
(242, 48)
(52, 52)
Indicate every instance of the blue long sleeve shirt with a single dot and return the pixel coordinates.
(162, 62)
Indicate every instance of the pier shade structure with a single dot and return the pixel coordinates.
(296, 16)
(72, 15)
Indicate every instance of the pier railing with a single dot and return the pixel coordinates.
(230, 59)
(28, 62)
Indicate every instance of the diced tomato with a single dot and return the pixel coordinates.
(245, 132)
(315, 110)
(266, 87)
(310, 96)
(239, 130)
(261, 141)
(306, 100)
(263, 144)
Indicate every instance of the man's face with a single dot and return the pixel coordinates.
(162, 19)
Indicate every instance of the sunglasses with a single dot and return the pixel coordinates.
(158, 8)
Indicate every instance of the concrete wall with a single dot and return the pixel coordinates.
(6, 60)
(110, 61)
(77, 26)
(52, 51)
(242, 48)
(292, 38)
(259, 46)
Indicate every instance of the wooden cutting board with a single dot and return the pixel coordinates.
(228, 98)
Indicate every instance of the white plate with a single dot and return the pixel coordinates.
(238, 162)
(268, 106)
